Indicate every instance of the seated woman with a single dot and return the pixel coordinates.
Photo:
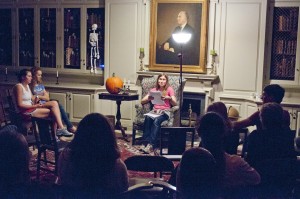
(38, 89)
(152, 125)
(196, 175)
(232, 170)
(231, 136)
(28, 106)
(91, 163)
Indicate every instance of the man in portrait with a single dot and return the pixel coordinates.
(167, 53)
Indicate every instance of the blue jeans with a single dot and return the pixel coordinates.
(152, 128)
(64, 117)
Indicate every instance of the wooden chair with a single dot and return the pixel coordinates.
(173, 141)
(147, 84)
(46, 140)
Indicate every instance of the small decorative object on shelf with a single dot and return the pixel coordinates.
(141, 57)
(213, 61)
(57, 77)
(5, 74)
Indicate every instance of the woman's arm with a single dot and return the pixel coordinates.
(45, 96)
(146, 99)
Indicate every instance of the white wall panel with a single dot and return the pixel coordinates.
(242, 43)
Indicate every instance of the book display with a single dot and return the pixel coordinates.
(284, 43)
(48, 37)
(5, 37)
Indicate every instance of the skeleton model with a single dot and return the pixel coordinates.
(94, 48)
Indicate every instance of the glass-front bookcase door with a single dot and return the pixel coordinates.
(285, 36)
(95, 54)
(26, 36)
(5, 37)
(72, 36)
(48, 37)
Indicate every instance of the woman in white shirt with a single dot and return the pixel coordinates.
(28, 105)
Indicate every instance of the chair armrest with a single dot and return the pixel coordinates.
(163, 184)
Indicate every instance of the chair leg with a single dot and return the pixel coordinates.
(56, 162)
(133, 136)
(38, 165)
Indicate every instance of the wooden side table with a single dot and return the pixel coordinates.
(119, 98)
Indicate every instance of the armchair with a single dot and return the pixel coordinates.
(147, 84)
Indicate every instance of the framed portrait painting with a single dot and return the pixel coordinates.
(170, 17)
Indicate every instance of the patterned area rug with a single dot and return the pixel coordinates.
(126, 151)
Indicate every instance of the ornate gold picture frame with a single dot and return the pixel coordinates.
(166, 19)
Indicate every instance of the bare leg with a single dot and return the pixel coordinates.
(54, 108)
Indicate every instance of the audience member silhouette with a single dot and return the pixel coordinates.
(232, 170)
(273, 141)
(271, 93)
(196, 175)
(231, 136)
(91, 163)
(14, 166)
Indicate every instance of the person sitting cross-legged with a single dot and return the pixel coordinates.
(28, 104)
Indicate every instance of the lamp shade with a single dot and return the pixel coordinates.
(182, 38)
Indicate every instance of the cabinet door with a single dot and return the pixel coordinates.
(95, 53)
(6, 37)
(72, 36)
(284, 64)
(47, 37)
(80, 105)
(61, 97)
(26, 37)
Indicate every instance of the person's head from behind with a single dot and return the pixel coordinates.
(273, 93)
(37, 74)
(211, 129)
(14, 157)
(197, 177)
(24, 76)
(182, 18)
(162, 82)
(271, 115)
(94, 150)
(218, 107)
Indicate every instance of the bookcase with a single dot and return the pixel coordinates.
(284, 62)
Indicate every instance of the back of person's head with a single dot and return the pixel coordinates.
(218, 107)
(275, 91)
(211, 129)
(14, 158)
(94, 149)
(271, 115)
(22, 74)
(197, 174)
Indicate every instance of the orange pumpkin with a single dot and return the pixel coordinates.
(114, 84)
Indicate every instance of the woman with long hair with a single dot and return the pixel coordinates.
(152, 125)
(92, 161)
(28, 104)
(232, 170)
(231, 136)
(38, 89)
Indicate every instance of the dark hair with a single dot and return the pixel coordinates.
(167, 83)
(220, 108)
(271, 115)
(275, 91)
(211, 130)
(94, 151)
(22, 73)
(14, 157)
(197, 174)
